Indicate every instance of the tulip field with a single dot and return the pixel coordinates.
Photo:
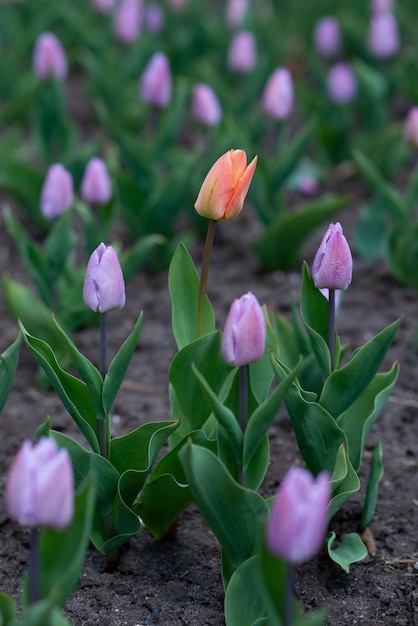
(209, 331)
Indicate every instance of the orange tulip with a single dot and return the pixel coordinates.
(225, 187)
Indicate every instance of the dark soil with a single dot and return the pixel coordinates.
(178, 582)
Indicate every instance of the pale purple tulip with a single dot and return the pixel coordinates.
(236, 11)
(57, 193)
(155, 84)
(104, 287)
(49, 58)
(341, 83)
(383, 38)
(205, 105)
(327, 36)
(277, 97)
(333, 264)
(153, 17)
(96, 186)
(410, 129)
(244, 336)
(103, 6)
(39, 488)
(298, 521)
(381, 6)
(242, 53)
(177, 5)
(128, 21)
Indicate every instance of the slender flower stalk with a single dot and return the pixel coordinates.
(33, 574)
(210, 235)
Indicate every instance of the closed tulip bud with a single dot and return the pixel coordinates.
(242, 54)
(333, 264)
(244, 336)
(155, 84)
(297, 525)
(57, 193)
(236, 11)
(410, 130)
(205, 105)
(49, 58)
(39, 488)
(327, 36)
(383, 36)
(222, 194)
(154, 18)
(128, 20)
(104, 287)
(177, 5)
(103, 6)
(277, 98)
(381, 6)
(96, 186)
(341, 83)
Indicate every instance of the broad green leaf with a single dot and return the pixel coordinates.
(8, 363)
(344, 481)
(349, 550)
(183, 283)
(375, 476)
(243, 603)
(7, 610)
(127, 523)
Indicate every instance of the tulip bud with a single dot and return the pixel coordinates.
(177, 5)
(155, 83)
(236, 11)
(103, 6)
(244, 336)
(205, 105)
(154, 18)
(39, 488)
(298, 520)
(383, 36)
(277, 98)
(96, 186)
(49, 58)
(242, 54)
(128, 19)
(222, 194)
(410, 131)
(327, 36)
(104, 287)
(333, 264)
(341, 83)
(381, 6)
(57, 193)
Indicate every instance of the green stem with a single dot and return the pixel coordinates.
(288, 596)
(242, 411)
(102, 424)
(331, 327)
(34, 592)
(204, 276)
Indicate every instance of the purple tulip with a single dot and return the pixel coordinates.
(39, 488)
(103, 6)
(236, 11)
(242, 54)
(341, 83)
(298, 521)
(49, 58)
(205, 105)
(96, 186)
(333, 264)
(57, 193)
(128, 20)
(154, 17)
(104, 287)
(410, 130)
(327, 36)
(177, 5)
(244, 336)
(381, 6)
(383, 36)
(155, 84)
(277, 98)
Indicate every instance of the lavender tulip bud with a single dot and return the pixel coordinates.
(242, 53)
(244, 336)
(205, 105)
(154, 18)
(381, 6)
(155, 84)
(410, 130)
(341, 83)
(104, 287)
(39, 488)
(96, 186)
(57, 193)
(103, 6)
(236, 10)
(49, 58)
(333, 264)
(298, 520)
(277, 98)
(177, 5)
(383, 36)
(327, 36)
(128, 21)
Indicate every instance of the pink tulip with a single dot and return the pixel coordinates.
(327, 36)
(383, 36)
(298, 521)
(242, 54)
(341, 83)
(205, 105)
(333, 264)
(410, 130)
(39, 488)
(222, 194)
(155, 84)
(49, 58)
(244, 336)
(236, 11)
(277, 98)
(104, 287)
(57, 193)
(128, 20)
(96, 186)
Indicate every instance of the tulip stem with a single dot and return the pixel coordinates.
(242, 410)
(331, 327)
(102, 424)
(288, 595)
(204, 276)
(34, 566)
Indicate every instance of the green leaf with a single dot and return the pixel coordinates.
(375, 476)
(243, 603)
(59, 243)
(7, 610)
(8, 364)
(349, 550)
(183, 283)
(344, 481)
(138, 255)
(289, 158)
